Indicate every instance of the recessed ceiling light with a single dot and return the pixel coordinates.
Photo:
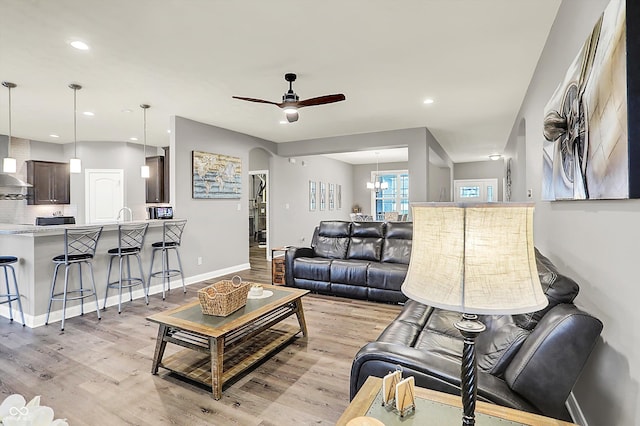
(89, 113)
(495, 156)
(428, 101)
(80, 45)
(133, 138)
(168, 130)
(126, 110)
(54, 136)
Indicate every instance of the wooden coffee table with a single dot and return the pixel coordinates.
(220, 348)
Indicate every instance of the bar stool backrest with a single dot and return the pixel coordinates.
(81, 242)
(131, 236)
(172, 232)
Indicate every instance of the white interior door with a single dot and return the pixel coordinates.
(104, 194)
(475, 190)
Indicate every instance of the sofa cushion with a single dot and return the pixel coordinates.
(333, 239)
(557, 287)
(367, 229)
(347, 271)
(397, 243)
(312, 268)
(497, 345)
(388, 276)
(440, 336)
(408, 325)
(365, 248)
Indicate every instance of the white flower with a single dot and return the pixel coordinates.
(14, 411)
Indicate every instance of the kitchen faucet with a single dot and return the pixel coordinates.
(124, 216)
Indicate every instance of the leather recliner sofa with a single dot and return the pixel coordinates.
(362, 260)
(529, 362)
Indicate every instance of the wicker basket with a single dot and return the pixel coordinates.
(224, 297)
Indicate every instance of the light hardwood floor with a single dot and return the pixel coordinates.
(98, 372)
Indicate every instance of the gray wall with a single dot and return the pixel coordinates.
(439, 183)
(291, 222)
(491, 169)
(595, 242)
(217, 228)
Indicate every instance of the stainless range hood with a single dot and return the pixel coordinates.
(8, 181)
(12, 188)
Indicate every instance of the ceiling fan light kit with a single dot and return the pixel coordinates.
(291, 102)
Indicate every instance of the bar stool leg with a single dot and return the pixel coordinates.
(6, 281)
(130, 280)
(95, 293)
(153, 257)
(165, 268)
(184, 288)
(146, 292)
(106, 294)
(81, 288)
(15, 283)
(120, 285)
(53, 287)
(64, 295)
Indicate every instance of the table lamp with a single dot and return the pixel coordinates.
(474, 259)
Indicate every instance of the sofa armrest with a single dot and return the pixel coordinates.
(289, 256)
(549, 362)
(430, 371)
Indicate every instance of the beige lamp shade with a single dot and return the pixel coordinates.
(474, 258)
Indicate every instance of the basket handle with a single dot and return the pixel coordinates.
(233, 281)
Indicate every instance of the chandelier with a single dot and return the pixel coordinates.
(377, 184)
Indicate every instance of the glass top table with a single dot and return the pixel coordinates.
(219, 348)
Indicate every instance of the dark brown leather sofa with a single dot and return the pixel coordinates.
(362, 260)
(528, 362)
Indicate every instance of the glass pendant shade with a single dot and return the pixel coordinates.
(75, 165)
(144, 169)
(9, 165)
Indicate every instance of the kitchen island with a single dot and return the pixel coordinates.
(35, 246)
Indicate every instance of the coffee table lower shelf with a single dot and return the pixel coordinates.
(196, 365)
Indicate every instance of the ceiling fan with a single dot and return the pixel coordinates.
(291, 101)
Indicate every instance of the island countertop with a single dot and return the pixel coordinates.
(16, 229)
(36, 246)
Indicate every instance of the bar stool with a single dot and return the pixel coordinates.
(130, 243)
(79, 247)
(171, 238)
(5, 262)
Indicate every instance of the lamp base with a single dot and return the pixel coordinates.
(469, 327)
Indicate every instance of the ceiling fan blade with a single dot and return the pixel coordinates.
(292, 117)
(262, 101)
(321, 100)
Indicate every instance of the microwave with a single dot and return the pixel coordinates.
(160, 212)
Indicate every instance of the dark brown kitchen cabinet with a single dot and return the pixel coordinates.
(51, 182)
(155, 184)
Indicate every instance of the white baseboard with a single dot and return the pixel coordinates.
(574, 410)
(90, 305)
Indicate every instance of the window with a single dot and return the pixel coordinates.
(395, 198)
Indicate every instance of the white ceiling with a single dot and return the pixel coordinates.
(187, 58)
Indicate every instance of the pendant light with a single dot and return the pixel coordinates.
(9, 163)
(144, 169)
(75, 165)
(377, 184)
